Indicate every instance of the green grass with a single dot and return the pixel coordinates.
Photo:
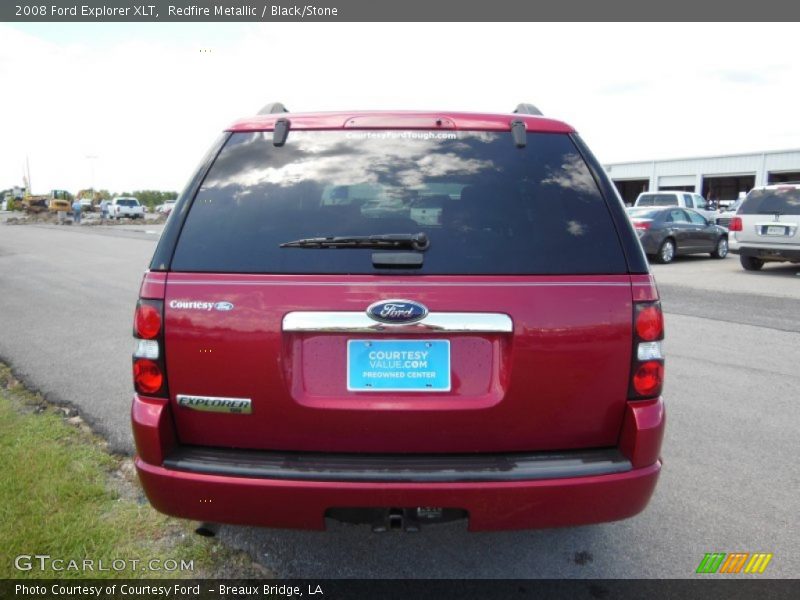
(62, 494)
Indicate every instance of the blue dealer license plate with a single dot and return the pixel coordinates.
(398, 365)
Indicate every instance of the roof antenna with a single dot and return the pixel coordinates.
(273, 108)
(527, 109)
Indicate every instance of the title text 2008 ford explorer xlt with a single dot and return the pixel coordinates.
(399, 318)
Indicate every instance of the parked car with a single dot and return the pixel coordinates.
(166, 208)
(681, 199)
(724, 217)
(125, 207)
(725, 205)
(764, 228)
(299, 358)
(86, 205)
(668, 232)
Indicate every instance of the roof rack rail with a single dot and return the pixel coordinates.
(272, 108)
(527, 109)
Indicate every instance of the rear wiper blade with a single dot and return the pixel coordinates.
(414, 241)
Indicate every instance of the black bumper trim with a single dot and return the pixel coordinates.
(773, 253)
(427, 468)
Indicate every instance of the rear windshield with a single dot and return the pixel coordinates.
(657, 200)
(643, 213)
(127, 202)
(486, 206)
(759, 202)
(735, 206)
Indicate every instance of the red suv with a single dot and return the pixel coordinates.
(399, 318)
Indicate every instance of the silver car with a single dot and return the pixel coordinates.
(764, 228)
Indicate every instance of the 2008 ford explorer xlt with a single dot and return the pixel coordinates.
(399, 318)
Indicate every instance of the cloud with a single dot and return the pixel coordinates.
(148, 103)
(743, 77)
(765, 75)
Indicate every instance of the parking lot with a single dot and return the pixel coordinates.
(730, 475)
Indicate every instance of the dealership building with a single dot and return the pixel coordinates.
(715, 177)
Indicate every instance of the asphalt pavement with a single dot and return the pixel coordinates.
(730, 479)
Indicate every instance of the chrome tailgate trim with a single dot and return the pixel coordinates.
(359, 322)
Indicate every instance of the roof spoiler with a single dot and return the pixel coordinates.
(527, 109)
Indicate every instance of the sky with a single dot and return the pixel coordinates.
(135, 106)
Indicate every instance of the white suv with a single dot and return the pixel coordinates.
(764, 228)
(682, 199)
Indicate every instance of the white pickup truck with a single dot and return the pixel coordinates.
(125, 207)
(672, 198)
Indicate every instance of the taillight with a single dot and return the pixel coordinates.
(649, 323)
(149, 372)
(147, 322)
(647, 365)
(147, 376)
(642, 224)
(648, 378)
(735, 224)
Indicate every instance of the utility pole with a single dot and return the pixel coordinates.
(92, 157)
(27, 177)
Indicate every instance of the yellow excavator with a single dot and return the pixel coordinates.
(56, 201)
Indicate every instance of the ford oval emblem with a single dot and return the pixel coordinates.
(398, 312)
(223, 306)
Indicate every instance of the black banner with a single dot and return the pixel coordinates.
(395, 10)
(701, 588)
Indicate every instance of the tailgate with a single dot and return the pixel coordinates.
(534, 362)
(767, 229)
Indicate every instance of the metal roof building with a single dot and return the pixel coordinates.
(715, 177)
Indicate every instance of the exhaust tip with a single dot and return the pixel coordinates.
(207, 529)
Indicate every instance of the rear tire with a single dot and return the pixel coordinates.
(751, 263)
(721, 249)
(666, 252)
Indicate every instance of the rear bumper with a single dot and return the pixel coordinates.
(768, 252)
(492, 504)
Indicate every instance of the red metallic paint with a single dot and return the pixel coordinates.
(491, 506)
(643, 431)
(153, 428)
(559, 382)
(400, 120)
(644, 288)
(154, 285)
